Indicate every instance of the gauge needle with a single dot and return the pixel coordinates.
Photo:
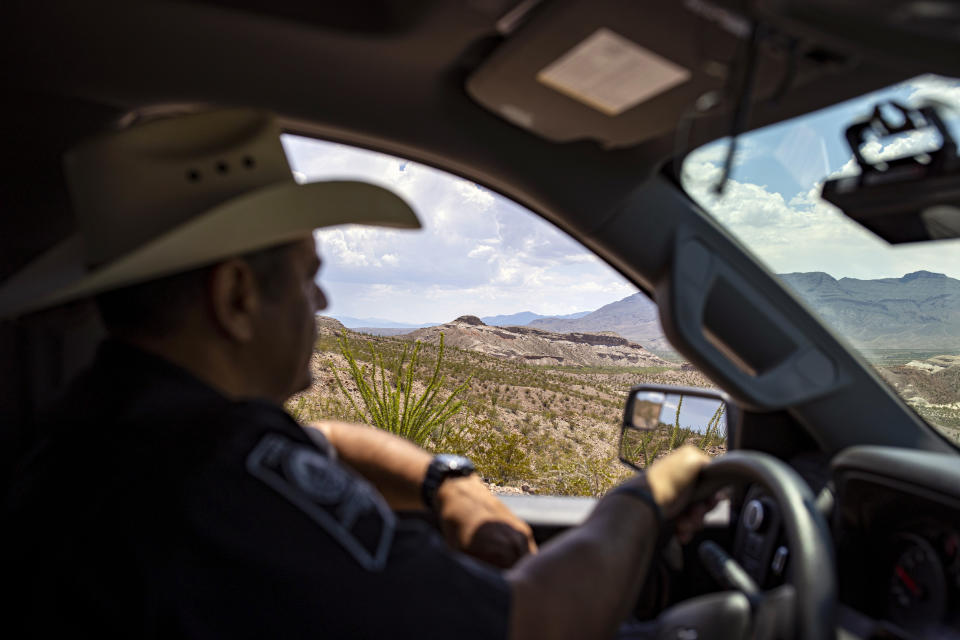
(907, 580)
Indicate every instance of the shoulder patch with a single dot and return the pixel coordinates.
(347, 508)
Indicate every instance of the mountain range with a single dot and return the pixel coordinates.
(634, 317)
(524, 318)
(919, 310)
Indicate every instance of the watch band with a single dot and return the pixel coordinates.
(442, 466)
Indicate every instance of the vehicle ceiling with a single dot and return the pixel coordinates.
(389, 74)
(408, 77)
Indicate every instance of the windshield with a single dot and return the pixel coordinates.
(898, 305)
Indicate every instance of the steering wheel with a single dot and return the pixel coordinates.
(804, 607)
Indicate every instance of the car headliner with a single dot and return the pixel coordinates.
(391, 75)
(383, 74)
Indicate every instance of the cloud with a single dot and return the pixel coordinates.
(936, 88)
(786, 224)
(805, 233)
(479, 253)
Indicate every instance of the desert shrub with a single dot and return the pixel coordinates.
(305, 408)
(578, 476)
(390, 402)
(297, 409)
(500, 457)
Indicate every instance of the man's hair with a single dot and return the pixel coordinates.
(157, 308)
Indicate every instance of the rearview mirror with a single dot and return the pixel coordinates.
(659, 418)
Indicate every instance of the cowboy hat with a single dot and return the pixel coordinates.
(181, 192)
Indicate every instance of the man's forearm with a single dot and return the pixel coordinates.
(470, 518)
(584, 582)
(393, 465)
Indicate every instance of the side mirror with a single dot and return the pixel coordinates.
(660, 418)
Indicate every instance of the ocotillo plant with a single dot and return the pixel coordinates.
(392, 404)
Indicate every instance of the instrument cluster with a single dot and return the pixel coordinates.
(898, 550)
(923, 579)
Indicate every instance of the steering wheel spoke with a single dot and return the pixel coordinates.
(773, 615)
(716, 616)
(806, 610)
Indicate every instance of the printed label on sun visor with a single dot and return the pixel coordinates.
(611, 74)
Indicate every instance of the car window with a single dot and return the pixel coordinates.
(538, 339)
(897, 304)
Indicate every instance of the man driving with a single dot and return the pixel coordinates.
(174, 497)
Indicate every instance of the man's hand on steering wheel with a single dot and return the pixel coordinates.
(670, 481)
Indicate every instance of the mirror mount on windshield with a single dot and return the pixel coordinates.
(660, 418)
(911, 198)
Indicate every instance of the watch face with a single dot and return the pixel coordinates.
(456, 465)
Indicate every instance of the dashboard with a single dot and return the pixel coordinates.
(895, 518)
(897, 532)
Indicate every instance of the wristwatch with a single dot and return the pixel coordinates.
(443, 466)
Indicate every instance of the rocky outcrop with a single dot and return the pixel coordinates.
(931, 382)
(935, 364)
(536, 346)
(329, 326)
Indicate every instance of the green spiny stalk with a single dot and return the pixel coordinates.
(676, 434)
(392, 405)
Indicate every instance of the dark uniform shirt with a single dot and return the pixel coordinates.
(159, 508)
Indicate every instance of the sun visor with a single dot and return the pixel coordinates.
(618, 72)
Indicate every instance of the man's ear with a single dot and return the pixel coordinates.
(235, 299)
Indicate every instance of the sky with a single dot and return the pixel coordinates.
(478, 253)
(481, 254)
(772, 204)
(695, 413)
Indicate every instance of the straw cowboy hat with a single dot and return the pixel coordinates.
(181, 192)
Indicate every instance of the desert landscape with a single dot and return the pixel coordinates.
(537, 401)
(540, 412)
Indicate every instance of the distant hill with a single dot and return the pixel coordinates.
(524, 318)
(383, 331)
(536, 346)
(634, 317)
(355, 323)
(920, 310)
(377, 326)
(329, 326)
(932, 387)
